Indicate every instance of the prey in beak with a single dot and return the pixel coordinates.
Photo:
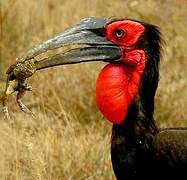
(89, 32)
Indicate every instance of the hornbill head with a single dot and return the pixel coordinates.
(131, 49)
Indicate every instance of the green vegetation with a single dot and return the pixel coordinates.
(69, 139)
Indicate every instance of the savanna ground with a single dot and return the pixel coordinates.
(69, 139)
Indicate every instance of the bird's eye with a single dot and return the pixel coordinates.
(118, 33)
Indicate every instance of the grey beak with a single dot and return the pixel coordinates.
(89, 31)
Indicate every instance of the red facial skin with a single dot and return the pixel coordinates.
(118, 84)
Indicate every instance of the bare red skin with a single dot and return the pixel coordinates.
(117, 84)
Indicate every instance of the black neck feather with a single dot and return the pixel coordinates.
(139, 123)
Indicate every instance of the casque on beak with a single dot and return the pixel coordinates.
(89, 31)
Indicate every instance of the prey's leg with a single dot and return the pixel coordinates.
(5, 108)
(11, 87)
(20, 94)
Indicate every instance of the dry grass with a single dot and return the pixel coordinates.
(69, 139)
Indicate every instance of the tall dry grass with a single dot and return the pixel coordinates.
(69, 138)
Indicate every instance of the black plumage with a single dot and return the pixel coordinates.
(139, 149)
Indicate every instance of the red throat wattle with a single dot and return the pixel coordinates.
(117, 85)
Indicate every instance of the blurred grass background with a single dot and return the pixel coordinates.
(69, 139)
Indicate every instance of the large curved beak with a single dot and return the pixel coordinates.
(91, 32)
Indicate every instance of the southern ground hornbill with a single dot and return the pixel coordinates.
(125, 91)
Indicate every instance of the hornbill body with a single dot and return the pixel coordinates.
(125, 91)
